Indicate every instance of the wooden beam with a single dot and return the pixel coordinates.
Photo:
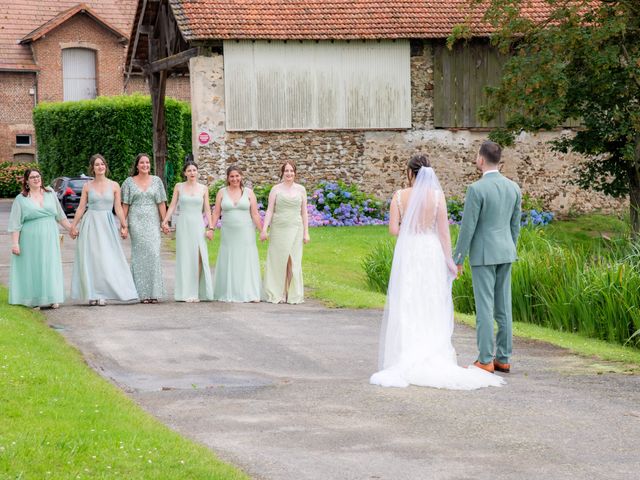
(135, 42)
(157, 88)
(172, 61)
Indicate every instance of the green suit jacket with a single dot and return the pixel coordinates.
(490, 222)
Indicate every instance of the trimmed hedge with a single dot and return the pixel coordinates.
(119, 128)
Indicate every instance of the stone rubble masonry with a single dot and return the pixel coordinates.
(376, 160)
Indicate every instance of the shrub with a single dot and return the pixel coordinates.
(377, 265)
(11, 174)
(339, 204)
(262, 195)
(214, 188)
(119, 128)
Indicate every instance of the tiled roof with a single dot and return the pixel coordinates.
(66, 15)
(330, 19)
(18, 18)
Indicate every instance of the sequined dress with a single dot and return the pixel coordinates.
(144, 229)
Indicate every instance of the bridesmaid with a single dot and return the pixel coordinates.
(35, 278)
(100, 270)
(237, 274)
(193, 276)
(143, 199)
(290, 228)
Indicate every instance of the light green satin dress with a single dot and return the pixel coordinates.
(237, 277)
(285, 242)
(193, 276)
(36, 274)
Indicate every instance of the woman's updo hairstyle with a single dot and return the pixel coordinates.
(416, 162)
(187, 164)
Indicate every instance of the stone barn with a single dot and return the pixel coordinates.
(348, 89)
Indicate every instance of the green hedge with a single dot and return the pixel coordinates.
(119, 128)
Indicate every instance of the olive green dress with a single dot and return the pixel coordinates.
(144, 228)
(36, 274)
(285, 242)
(237, 277)
(193, 276)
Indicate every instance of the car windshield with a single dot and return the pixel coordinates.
(77, 184)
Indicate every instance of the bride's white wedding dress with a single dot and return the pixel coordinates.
(415, 342)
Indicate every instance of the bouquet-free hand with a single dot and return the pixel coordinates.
(263, 236)
(74, 233)
(15, 249)
(209, 234)
(124, 232)
(306, 238)
(165, 228)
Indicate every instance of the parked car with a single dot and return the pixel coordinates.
(68, 190)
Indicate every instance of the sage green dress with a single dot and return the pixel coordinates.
(285, 242)
(144, 229)
(193, 276)
(237, 277)
(36, 274)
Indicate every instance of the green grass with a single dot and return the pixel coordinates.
(60, 420)
(588, 230)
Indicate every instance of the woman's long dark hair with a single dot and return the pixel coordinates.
(25, 182)
(134, 170)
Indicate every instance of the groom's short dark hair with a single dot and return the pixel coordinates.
(490, 151)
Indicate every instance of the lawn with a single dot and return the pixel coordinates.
(61, 420)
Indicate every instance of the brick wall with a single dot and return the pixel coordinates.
(15, 112)
(79, 32)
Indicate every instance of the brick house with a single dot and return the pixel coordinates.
(57, 50)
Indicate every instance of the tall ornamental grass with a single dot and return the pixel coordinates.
(590, 290)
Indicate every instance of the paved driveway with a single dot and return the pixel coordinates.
(282, 392)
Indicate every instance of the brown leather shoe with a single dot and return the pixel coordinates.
(488, 367)
(501, 367)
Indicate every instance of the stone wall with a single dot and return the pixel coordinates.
(376, 160)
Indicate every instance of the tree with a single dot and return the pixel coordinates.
(572, 59)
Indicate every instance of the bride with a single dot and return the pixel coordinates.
(415, 342)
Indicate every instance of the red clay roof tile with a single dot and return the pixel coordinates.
(330, 19)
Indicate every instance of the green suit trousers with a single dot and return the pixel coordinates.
(492, 291)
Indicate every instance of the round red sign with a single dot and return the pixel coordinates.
(204, 138)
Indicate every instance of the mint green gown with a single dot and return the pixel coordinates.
(193, 276)
(237, 277)
(100, 269)
(36, 274)
(285, 242)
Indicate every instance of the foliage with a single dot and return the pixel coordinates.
(214, 188)
(455, 206)
(377, 265)
(119, 128)
(11, 174)
(61, 420)
(532, 211)
(262, 195)
(580, 62)
(338, 204)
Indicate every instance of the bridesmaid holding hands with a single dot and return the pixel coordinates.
(237, 275)
(193, 276)
(100, 270)
(143, 199)
(287, 215)
(35, 278)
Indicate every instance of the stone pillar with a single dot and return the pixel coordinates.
(207, 112)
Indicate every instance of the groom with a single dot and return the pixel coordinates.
(489, 231)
